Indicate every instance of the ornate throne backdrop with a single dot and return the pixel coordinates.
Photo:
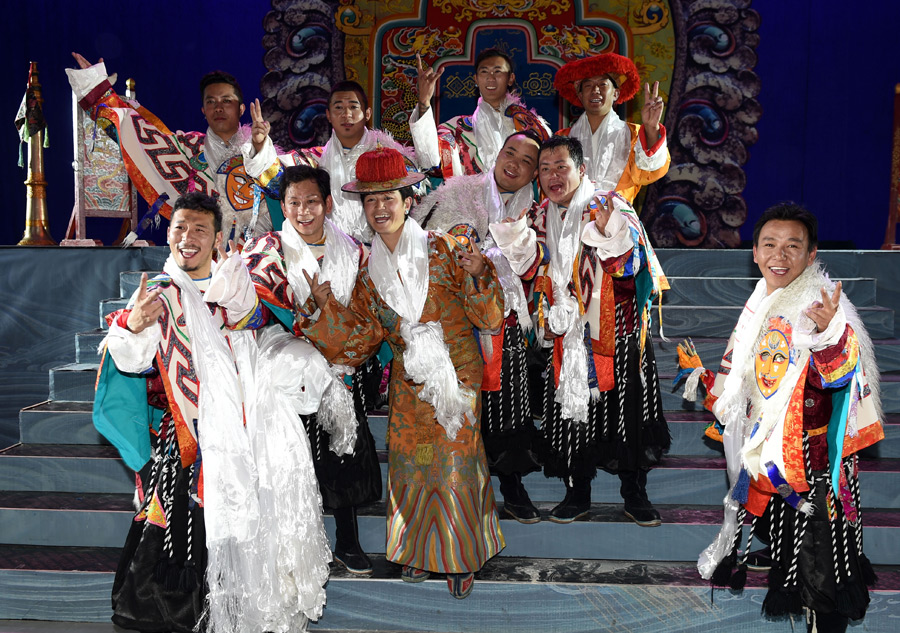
(702, 54)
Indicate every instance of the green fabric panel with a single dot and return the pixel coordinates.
(122, 415)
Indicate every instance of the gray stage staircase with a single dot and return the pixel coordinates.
(65, 501)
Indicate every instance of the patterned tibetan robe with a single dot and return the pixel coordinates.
(344, 481)
(452, 146)
(164, 164)
(637, 173)
(153, 424)
(441, 513)
(626, 429)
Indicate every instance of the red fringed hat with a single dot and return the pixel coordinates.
(382, 169)
(621, 69)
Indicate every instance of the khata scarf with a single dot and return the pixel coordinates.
(427, 357)
(340, 266)
(231, 506)
(564, 243)
(606, 158)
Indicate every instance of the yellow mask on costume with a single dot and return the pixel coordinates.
(772, 361)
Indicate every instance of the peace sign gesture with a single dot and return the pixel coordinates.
(147, 307)
(259, 127)
(823, 311)
(425, 83)
(320, 291)
(651, 112)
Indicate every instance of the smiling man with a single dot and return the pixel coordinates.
(471, 144)
(797, 393)
(164, 165)
(178, 396)
(618, 156)
(311, 247)
(465, 206)
(593, 273)
(348, 113)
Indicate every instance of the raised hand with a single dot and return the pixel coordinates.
(821, 312)
(259, 127)
(147, 307)
(223, 254)
(425, 83)
(82, 62)
(604, 202)
(320, 291)
(472, 261)
(511, 220)
(651, 113)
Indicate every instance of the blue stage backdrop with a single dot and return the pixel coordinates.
(823, 138)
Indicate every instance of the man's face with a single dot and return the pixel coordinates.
(347, 117)
(494, 79)
(222, 109)
(516, 164)
(782, 252)
(192, 240)
(559, 177)
(598, 95)
(305, 210)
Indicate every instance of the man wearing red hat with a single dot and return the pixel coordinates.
(618, 156)
(470, 144)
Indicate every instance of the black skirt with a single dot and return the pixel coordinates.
(349, 480)
(626, 429)
(828, 573)
(158, 587)
(507, 426)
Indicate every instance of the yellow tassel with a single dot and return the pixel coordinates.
(424, 454)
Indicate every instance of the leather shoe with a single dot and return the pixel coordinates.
(522, 513)
(356, 562)
(644, 515)
(569, 511)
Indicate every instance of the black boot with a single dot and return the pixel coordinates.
(516, 502)
(637, 506)
(577, 503)
(347, 550)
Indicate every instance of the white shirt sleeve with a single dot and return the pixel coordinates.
(85, 80)
(425, 138)
(232, 289)
(518, 242)
(614, 241)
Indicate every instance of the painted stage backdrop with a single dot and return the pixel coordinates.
(702, 54)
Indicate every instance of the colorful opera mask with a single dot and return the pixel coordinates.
(773, 356)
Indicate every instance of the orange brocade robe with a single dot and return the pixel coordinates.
(441, 513)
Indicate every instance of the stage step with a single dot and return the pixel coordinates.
(103, 520)
(678, 480)
(680, 321)
(86, 345)
(58, 422)
(75, 381)
(511, 594)
(734, 291)
(711, 350)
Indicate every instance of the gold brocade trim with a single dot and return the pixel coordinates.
(424, 454)
(818, 431)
